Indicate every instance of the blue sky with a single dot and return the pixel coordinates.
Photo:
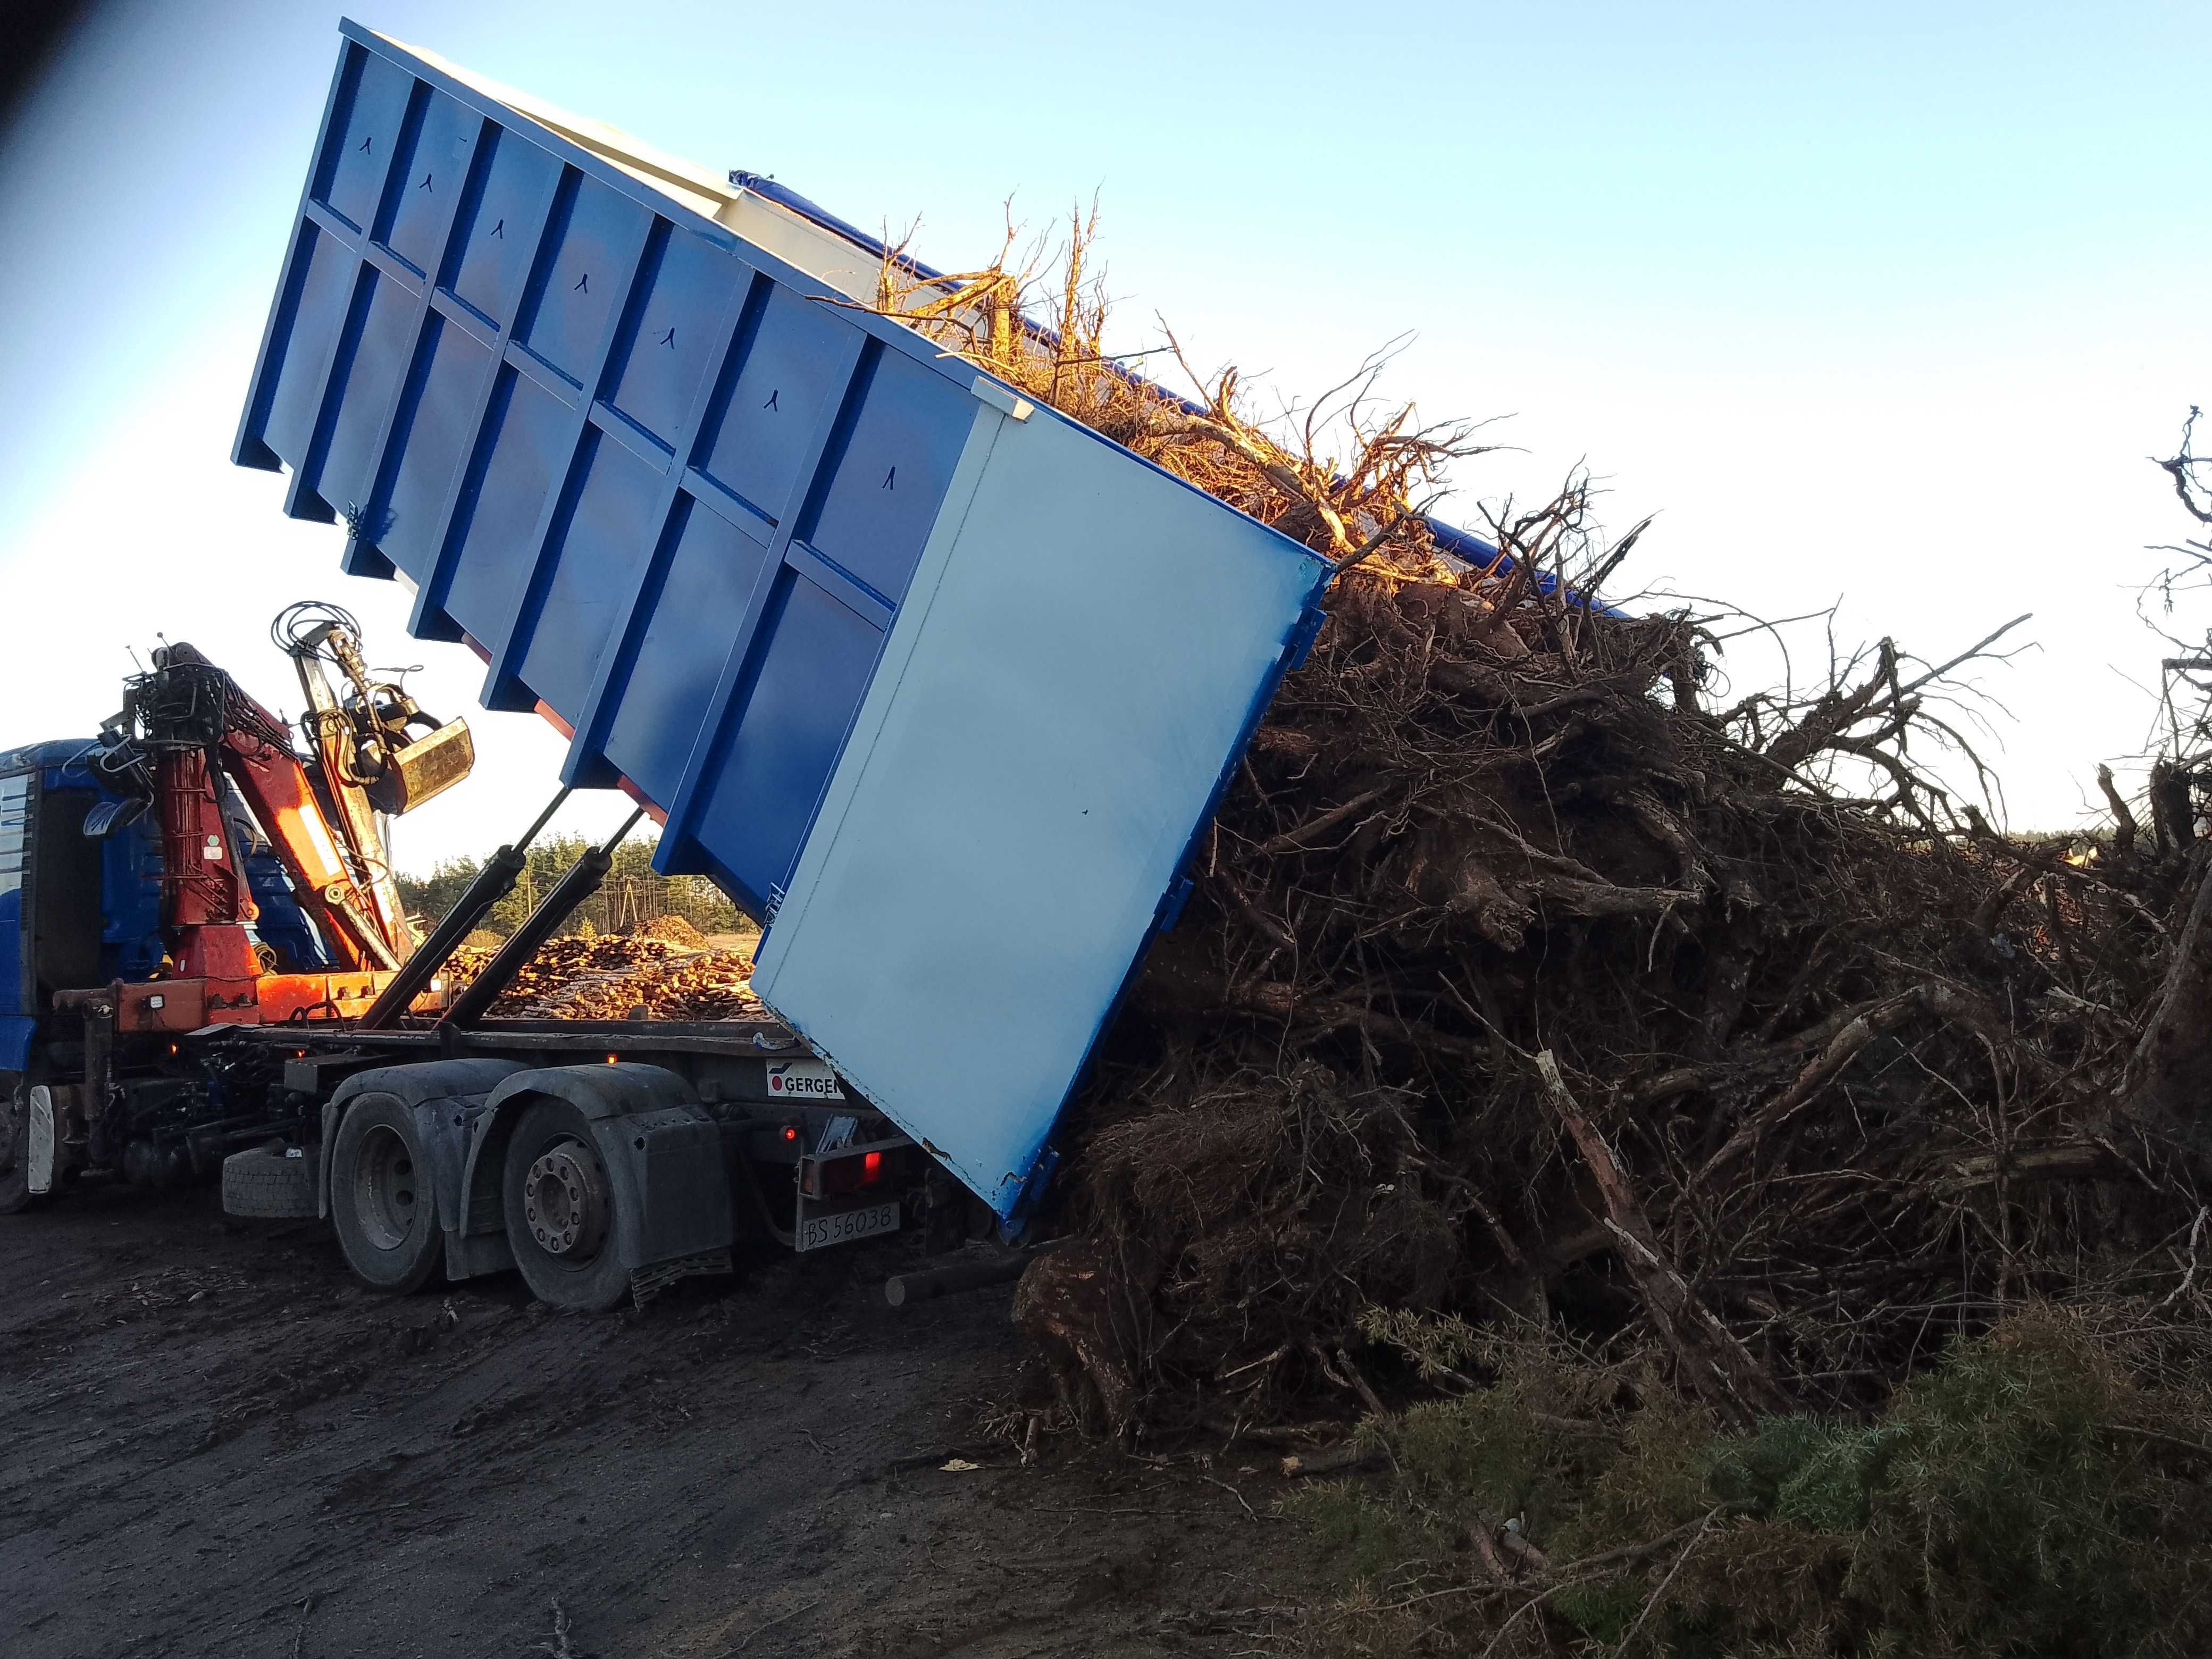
(1882, 303)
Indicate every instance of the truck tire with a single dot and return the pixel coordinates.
(560, 1211)
(382, 1203)
(15, 1194)
(265, 1184)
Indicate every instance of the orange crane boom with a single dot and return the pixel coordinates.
(319, 811)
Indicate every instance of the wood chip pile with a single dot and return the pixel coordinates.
(671, 929)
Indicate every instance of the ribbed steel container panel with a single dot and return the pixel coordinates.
(940, 686)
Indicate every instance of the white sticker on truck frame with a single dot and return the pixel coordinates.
(803, 1080)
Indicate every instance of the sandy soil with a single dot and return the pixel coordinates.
(213, 1441)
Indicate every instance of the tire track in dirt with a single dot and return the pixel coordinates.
(206, 1423)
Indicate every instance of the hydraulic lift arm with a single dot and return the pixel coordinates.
(367, 756)
(493, 883)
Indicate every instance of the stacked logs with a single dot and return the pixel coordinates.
(614, 977)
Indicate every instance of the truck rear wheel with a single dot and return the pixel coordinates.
(559, 1210)
(15, 1194)
(382, 1204)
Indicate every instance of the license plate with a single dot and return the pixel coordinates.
(817, 1231)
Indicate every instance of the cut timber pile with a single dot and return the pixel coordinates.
(1523, 982)
(610, 978)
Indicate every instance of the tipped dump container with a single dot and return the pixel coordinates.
(938, 686)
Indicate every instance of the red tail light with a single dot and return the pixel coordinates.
(872, 1167)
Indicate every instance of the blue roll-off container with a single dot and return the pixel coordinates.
(940, 686)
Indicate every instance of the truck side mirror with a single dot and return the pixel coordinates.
(109, 816)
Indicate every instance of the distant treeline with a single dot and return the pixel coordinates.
(632, 893)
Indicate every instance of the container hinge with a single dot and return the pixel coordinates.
(1172, 901)
(1299, 646)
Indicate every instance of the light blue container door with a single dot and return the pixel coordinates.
(1048, 733)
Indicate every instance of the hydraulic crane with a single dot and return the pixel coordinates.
(189, 876)
(213, 766)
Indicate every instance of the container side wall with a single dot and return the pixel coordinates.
(673, 497)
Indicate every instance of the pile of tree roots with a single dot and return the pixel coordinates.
(1529, 979)
(1518, 984)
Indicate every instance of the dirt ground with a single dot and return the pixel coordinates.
(213, 1441)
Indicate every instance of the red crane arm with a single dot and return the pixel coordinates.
(276, 786)
(277, 790)
(206, 901)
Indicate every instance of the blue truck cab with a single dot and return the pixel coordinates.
(81, 908)
(80, 898)
(76, 911)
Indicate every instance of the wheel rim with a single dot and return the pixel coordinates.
(564, 1200)
(384, 1188)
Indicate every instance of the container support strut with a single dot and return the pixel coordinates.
(493, 883)
(581, 881)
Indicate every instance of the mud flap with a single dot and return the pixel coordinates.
(39, 1170)
(471, 1256)
(672, 1200)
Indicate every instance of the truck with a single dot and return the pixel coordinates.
(212, 971)
(941, 687)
